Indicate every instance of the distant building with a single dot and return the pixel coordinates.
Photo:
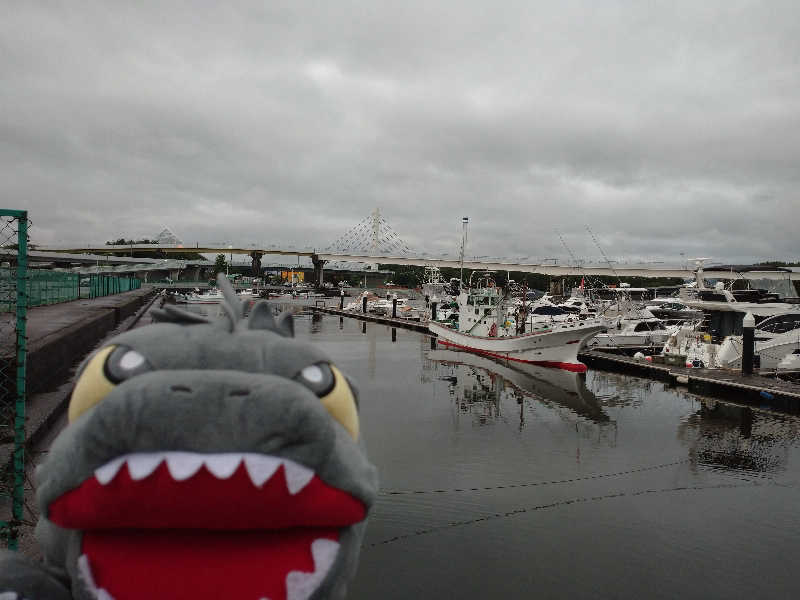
(168, 237)
(293, 276)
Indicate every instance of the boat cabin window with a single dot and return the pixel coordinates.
(673, 306)
(549, 310)
(649, 326)
(712, 296)
(780, 323)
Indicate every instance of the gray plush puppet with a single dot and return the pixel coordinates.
(202, 460)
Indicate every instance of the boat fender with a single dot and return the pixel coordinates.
(638, 356)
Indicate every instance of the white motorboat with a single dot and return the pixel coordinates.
(636, 330)
(717, 343)
(485, 327)
(212, 296)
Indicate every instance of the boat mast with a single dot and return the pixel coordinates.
(464, 223)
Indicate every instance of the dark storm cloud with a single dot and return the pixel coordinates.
(667, 127)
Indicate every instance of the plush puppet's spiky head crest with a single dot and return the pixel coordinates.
(260, 316)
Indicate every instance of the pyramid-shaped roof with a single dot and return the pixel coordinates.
(168, 237)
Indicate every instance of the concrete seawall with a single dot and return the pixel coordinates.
(59, 336)
(59, 333)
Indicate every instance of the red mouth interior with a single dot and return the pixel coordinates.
(181, 565)
(204, 537)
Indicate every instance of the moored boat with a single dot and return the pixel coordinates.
(485, 327)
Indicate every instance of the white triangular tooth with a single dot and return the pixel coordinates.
(260, 467)
(222, 465)
(300, 585)
(142, 464)
(297, 476)
(85, 573)
(108, 471)
(183, 465)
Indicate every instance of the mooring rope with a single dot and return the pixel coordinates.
(519, 511)
(390, 492)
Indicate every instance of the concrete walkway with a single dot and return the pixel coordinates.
(59, 336)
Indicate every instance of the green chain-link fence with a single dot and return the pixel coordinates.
(52, 287)
(105, 285)
(13, 316)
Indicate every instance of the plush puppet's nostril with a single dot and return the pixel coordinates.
(181, 388)
(239, 393)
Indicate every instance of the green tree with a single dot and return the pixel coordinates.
(220, 265)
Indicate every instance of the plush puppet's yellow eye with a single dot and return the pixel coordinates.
(341, 403)
(92, 386)
(334, 393)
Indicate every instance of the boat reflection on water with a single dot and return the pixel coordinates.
(732, 437)
(479, 383)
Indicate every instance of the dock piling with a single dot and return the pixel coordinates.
(748, 343)
(394, 308)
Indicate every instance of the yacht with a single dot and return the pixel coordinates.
(638, 329)
(716, 342)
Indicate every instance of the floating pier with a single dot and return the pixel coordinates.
(725, 384)
(361, 316)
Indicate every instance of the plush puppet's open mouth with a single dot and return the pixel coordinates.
(189, 525)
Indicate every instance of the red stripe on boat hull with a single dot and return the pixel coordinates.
(574, 367)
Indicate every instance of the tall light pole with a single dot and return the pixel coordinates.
(464, 223)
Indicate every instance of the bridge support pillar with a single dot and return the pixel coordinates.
(318, 274)
(255, 263)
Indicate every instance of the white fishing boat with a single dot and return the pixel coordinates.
(485, 327)
(434, 285)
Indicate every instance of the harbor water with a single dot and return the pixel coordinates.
(508, 482)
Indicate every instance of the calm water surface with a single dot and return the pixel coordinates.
(518, 483)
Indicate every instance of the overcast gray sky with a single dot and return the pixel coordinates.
(667, 127)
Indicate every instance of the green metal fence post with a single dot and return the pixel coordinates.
(22, 351)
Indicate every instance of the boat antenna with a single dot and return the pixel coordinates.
(464, 223)
(596, 243)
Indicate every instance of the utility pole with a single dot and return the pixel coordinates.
(464, 223)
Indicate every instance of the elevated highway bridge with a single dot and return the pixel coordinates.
(319, 258)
